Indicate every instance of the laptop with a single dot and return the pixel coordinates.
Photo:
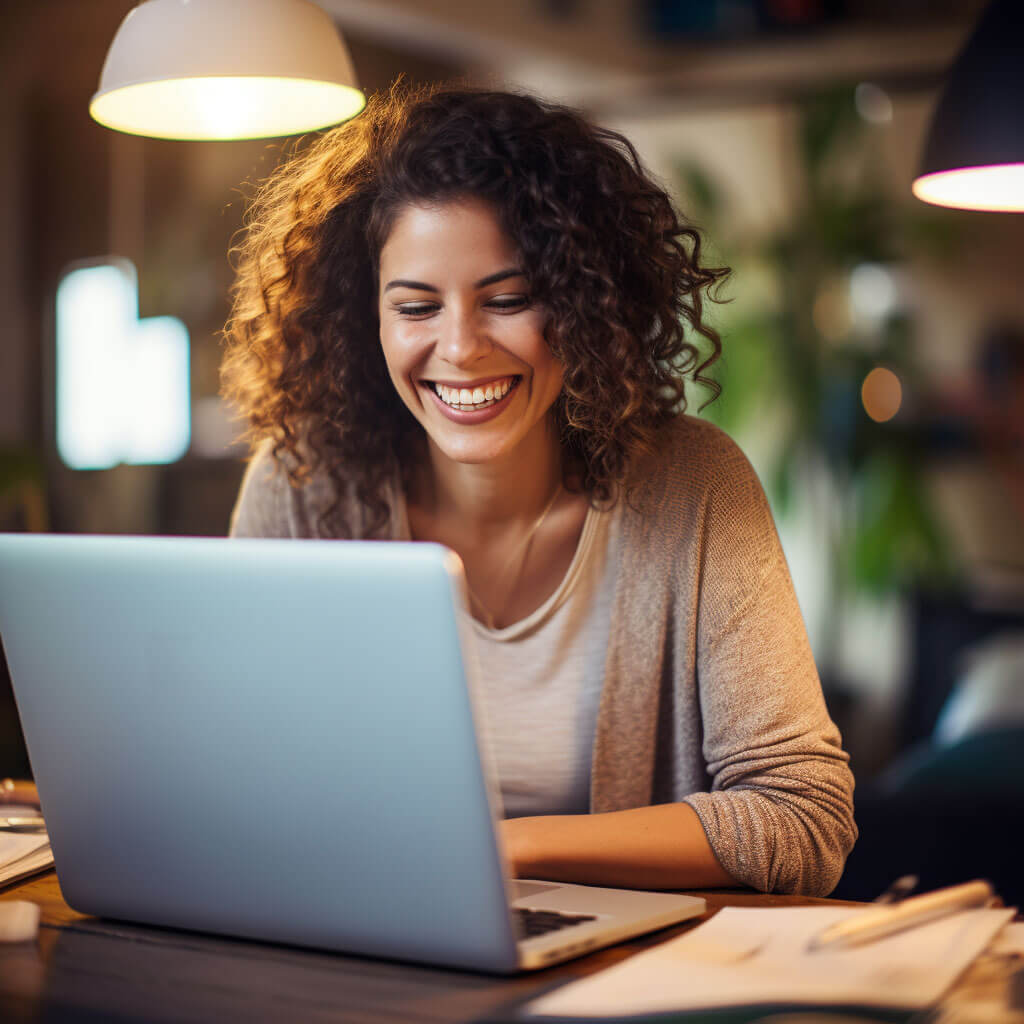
(279, 740)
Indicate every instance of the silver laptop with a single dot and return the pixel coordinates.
(279, 740)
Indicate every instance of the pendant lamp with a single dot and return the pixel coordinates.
(974, 153)
(226, 69)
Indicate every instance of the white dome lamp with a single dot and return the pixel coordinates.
(226, 69)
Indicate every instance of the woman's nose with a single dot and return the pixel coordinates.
(462, 340)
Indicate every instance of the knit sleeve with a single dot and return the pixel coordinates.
(779, 816)
(267, 504)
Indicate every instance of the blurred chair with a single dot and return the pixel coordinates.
(952, 808)
(989, 693)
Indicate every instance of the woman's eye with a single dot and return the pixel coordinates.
(509, 302)
(416, 308)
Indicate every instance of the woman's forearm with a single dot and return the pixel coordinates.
(659, 847)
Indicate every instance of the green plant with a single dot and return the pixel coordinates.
(23, 483)
(795, 357)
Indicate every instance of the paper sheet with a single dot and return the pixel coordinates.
(753, 956)
(22, 853)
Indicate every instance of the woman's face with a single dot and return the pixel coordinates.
(464, 345)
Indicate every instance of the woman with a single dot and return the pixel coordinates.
(460, 318)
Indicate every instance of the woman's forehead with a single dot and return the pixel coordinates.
(448, 235)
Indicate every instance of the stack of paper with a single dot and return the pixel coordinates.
(758, 956)
(23, 853)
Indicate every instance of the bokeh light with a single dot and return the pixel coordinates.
(873, 293)
(881, 394)
(873, 103)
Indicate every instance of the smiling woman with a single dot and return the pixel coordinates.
(469, 317)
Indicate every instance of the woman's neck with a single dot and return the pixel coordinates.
(487, 498)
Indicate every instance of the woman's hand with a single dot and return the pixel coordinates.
(515, 838)
(18, 792)
(659, 847)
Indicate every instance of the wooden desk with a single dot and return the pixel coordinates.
(88, 969)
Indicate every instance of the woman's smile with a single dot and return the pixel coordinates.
(473, 397)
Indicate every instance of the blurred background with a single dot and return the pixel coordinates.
(873, 363)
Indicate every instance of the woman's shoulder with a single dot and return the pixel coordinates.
(694, 454)
(697, 482)
(286, 493)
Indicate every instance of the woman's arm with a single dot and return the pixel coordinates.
(659, 847)
(711, 697)
(779, 810)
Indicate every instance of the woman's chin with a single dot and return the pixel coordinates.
(468, 454)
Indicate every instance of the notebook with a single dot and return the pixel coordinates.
(279, 740)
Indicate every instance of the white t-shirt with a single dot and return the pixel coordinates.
(541, 679)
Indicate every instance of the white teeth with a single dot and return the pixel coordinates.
(466, 399)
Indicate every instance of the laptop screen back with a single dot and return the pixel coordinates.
(264, 738)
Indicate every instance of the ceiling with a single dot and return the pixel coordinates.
(603, 54)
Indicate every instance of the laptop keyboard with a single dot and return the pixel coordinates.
(540, 922)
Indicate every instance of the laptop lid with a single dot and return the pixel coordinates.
(261, 738)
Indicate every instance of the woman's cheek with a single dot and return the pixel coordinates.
(411, 336)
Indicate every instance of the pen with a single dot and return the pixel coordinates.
(22, 823)
(886, 920)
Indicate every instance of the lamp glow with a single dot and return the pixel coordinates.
(217, 69)
(226, 108)
(998, 189)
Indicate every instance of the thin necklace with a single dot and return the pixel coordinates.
(520, 552)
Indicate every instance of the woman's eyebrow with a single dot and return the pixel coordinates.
(417, 285)
(500, 275)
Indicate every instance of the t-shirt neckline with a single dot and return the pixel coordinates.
(529, 622)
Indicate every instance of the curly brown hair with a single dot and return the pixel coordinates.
(604, 251)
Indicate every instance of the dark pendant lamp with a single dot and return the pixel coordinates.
(974, 153)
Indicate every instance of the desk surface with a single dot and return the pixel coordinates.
(89, 969)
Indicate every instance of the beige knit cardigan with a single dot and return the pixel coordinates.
(710, 694)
